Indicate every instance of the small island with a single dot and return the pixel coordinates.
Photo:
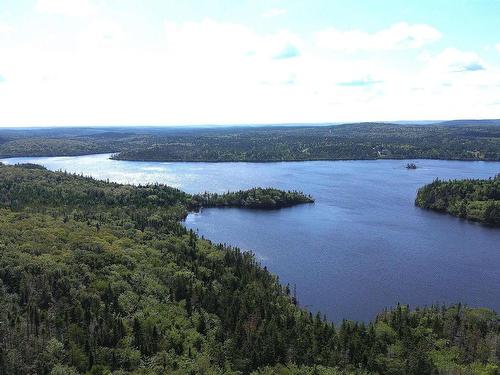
(477, 200)
(411, 166)
(257, 198)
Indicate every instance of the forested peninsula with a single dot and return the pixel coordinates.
(477, 200)
(267, 198)
(101, 278)
(455, 140)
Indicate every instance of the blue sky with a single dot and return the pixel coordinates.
(154, 62)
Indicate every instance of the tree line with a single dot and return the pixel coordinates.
(263, 198)
(472, 199)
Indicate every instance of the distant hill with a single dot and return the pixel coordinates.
(487, 122)
(452, 140)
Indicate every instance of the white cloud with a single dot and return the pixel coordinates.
(101, 33)
(453, 60)
(498, 47)
(216, 40)
(397, 37)
(4, 28)
(75, 8)
(451, 84)
(204, 72)
(209, 38)
(275, 12)
(101, 72)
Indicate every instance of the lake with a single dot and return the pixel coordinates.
(361, 247)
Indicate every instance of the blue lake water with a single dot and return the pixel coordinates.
(361, 247)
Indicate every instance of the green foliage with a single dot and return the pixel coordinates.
(477, 200)
(97, 278)
(268, 198)
(305, 370)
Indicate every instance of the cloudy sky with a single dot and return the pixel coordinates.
(153, 62)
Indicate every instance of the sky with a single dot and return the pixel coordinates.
(176, 62)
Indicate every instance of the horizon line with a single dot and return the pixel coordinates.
(215, 125)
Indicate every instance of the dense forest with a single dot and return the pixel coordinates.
(477, 200)
(101, 278)
(455, 140)
(267, 198)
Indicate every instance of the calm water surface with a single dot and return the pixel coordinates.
(361, 247)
